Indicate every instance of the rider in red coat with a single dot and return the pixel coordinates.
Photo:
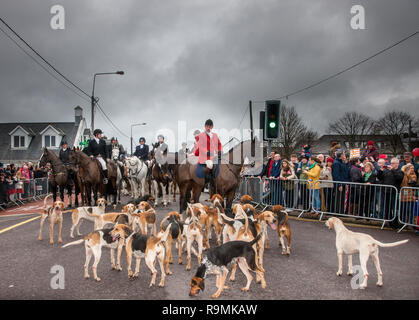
(208, 148)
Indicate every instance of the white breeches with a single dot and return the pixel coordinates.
(102, 162)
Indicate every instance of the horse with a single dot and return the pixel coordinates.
(60, 177)
(226, 181)
(137, 173)
(91, 175)
(161, 177)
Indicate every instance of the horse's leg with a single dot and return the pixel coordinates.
(196, 192)
(54, 192)
(69, 194)
(229, 199)
(182, 198)
(156, 192)
(62, 187)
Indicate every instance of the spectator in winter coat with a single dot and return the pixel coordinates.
(390, 176)
(371, 151)
(355, 175)
(408, 196)
(408, 159)
(327, 184)
(274, 182)
(313, 174)
(3, 189)
(340, 173)
(368, 193)
(268, 165)
(287, 176)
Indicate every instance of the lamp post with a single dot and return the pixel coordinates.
(94, 100)
(133, 125)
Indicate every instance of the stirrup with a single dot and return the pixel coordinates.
(105, 181)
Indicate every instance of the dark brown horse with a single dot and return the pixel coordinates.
(226, 182)
(60, 177)
(91, 176)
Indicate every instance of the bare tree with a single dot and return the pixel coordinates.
(395, 124)
(351, 125)
(293, 132)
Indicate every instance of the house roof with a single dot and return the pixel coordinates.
(34, 151)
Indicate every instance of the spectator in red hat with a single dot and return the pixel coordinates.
(371, 151)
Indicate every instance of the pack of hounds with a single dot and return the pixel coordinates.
(241, 239)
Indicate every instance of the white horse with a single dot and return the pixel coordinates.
(137, 174)
(119, 180)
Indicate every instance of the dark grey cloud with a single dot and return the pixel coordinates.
(193, 60)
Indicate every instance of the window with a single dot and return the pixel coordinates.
(18, 141)
(49, 141)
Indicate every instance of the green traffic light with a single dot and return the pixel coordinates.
(272, 125)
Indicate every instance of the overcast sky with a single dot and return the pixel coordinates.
(197, 59)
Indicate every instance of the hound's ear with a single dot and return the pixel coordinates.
(202, 284)
(62, 205)
(124, 208)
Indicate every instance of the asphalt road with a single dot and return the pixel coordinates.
(308, 273)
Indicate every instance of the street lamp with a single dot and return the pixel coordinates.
(94, 100)
(133, 125)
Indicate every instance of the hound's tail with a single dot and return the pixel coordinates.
(45, 200)
(393, 244)
(73, 243)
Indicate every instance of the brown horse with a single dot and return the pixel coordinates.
(60, 177)
(91, 175)
(226, 182)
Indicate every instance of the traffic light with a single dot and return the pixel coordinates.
(272, 113)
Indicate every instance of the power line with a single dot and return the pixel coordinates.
(43, 59)
(346, 69)
(43, 67)
(113, 124)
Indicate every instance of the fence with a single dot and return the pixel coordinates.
(409, 207)
(367, 201)
(374, 202)
(24, 191)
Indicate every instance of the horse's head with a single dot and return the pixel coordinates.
(44, 158)
(115, 154)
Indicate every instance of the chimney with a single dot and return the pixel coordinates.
(78, 115)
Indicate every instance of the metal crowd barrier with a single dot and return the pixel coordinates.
(41, 188)
(409, 207)
(293, 194)
(29, 190)
(356, 200)
(367, 201)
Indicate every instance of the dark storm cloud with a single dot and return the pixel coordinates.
(193, 60)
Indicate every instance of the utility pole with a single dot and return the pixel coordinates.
(251, 120)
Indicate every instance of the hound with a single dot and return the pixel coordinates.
(143, 220)
(55, 215)
(283, 228)
(80, 213)
(176, 229)
(199, 211)
(108, 218)
(216, 261)
(93, 244)
(192, 232)
(349, 242)
(129, 209)
(143, 246)
(251, 229)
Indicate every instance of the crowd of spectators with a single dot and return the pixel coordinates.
(17, 182)
(365, 186)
